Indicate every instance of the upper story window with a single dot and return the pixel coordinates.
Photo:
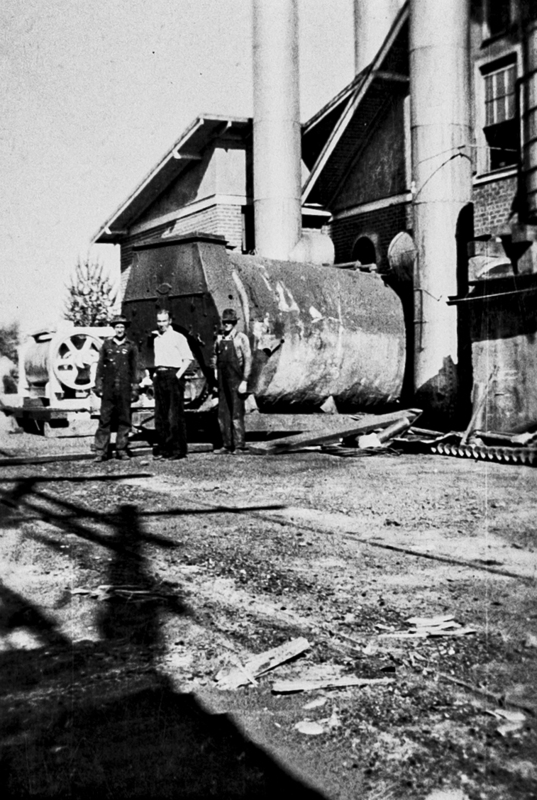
(501, 127)
(498, 16)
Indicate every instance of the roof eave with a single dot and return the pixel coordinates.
(182, 153)
(358, 87)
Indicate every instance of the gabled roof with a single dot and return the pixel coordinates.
(188, 148)
(333, 138)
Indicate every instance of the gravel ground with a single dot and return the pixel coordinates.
(127, 588)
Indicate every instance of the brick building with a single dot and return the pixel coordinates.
(359, 165)
(358, 147)
(203, 183)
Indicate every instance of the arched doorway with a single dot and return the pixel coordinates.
(364, 251)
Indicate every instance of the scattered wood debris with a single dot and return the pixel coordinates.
(288, 687)
(124, 592)
(310, 728)
(333, 434)
(319, 702)
(506, 699)
(234, 676)
(513, 720)
(315, 728)
(423, 627)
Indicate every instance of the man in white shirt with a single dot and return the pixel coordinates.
(172, 358)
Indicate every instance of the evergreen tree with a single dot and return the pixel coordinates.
(91, 296)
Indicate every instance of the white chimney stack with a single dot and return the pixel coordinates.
(277, 132)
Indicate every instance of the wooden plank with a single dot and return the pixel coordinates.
(17, 461)
(233, 677)
(286, 687)
(365, 425)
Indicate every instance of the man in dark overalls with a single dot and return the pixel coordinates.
(116, 382)
(233, 365)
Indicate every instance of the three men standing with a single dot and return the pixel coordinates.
(172, 358)
(233, 361)
(116, 382)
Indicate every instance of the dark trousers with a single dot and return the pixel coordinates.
(170, 425)
(115, 408)
(230, 408)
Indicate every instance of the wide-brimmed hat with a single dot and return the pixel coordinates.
(119, 319)
(229, 315)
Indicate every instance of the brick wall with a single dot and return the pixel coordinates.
(380, 226)
(223, 220)
(127, 244)
(230, 224)
(493, 204)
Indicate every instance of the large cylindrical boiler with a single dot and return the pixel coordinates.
(320, 332)
(315, 331)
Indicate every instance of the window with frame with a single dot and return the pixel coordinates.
(501, 127)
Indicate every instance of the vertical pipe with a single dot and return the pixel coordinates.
(529, 121)
(372, 22)
(277, 135)
(441, 187)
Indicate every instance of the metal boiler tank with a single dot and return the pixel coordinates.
(316, 332)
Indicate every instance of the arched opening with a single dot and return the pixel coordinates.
(364, 251)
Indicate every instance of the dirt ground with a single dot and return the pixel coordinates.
(127, 587)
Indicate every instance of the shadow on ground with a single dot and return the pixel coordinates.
(96, 719)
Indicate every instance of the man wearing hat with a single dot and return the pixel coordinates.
(116, 382)
(233, 359)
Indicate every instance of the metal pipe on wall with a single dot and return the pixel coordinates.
(277, 133)
(441, 187)
(529, 120)
(372, 22)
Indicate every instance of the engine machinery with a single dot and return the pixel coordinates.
(57, 366)
(316, 332)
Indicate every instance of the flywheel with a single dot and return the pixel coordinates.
(74, 359)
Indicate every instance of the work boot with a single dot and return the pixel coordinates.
(99, 458)
(122, 455)
(223, 451)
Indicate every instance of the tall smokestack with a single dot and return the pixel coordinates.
(442, 187)
(277, 133)
(372, 21)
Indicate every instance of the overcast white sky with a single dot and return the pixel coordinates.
(94, 93)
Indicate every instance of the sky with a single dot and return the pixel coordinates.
(94, 92)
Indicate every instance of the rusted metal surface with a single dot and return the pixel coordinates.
(318, 332)
(315, 331)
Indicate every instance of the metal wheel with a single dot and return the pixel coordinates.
(74, 361)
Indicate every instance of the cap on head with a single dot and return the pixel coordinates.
(229, 315)
(119, 320)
